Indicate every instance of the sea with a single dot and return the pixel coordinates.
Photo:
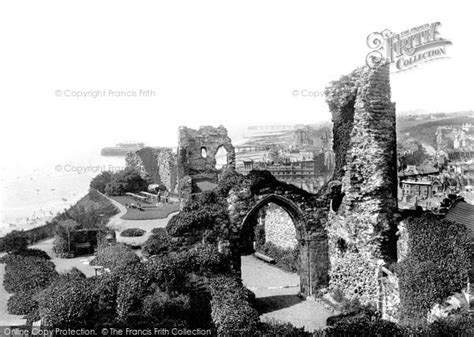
(33, 190)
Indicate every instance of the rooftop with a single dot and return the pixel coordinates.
(462, 213)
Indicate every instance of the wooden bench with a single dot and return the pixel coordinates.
(264, 257)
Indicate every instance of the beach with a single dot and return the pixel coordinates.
(32, 195)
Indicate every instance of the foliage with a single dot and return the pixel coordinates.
(286, 259)
(30, 252)
(363, 325)
(127, 180)
(462, 325)
(74, 273)
(22, 303)
(208, 213)
(67, 303)
(436, 266)
(15, 241)
(229, 179)
(158, 243)
(115, 257)
(167, 310)
(132, 232)
(231, 311)
(100, 181)
(27, 273)
(62, 242)
(275, 328)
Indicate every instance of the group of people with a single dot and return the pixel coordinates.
(163, 196)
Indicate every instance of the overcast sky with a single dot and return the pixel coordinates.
(208, 62)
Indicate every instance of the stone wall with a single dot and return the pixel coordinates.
(361, 222)
(308, 214)
(197, 150)
(279, 227)
(158, 165)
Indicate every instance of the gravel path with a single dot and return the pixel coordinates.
(276, 292)
(120, 224)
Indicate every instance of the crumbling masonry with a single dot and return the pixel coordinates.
(361, 224)
(347, 230)
(197, 151)
(158, 165)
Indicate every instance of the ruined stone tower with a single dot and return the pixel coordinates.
(197, 163)
(361, 222)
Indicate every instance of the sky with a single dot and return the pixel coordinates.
(234, 63)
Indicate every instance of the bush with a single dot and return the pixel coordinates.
(115, 257)
(462, 325)
(128, 180)
(67, 303)
(231, 311)
(158, 243)
(30, 252)
(207, 213)
(22, 303)
(286, 259)
(100, 181)
(167, 311)
(63, 242)
(132, 232)
(436, 266)
(363, 325)
(74, 273)
(275, 328)
(15, 241)
(27, 273)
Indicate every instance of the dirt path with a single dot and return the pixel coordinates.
(277, 299)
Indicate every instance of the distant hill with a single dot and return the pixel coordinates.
(425, 131)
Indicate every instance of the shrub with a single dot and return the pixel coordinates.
(363, 325)
(27, 273)
(170, 270)
(67, 303)
(132, 232)
(63, 241)
(275, 328)
(22, 303)
(286, 259)
(207, 213)
(436, 266)
(157, 243)
(205, 259)
(167, 311)
(74, 273)
(461, 325)
(228, 180)
(115, 257)
(128, 180)
(231, 311)
(25, 253)
(15, 241)
(100, 181)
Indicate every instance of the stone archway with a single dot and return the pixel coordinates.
(260, 189)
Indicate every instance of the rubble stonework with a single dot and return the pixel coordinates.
(279, 228)
(361, 221)
(155, 164)
(307, 212)
(198, 172)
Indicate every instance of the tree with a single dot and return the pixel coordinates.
(128, 180)
(100, 181)
(15, 241)
(62, 242)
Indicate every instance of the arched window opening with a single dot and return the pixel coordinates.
(203, 152)
(221, 157)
